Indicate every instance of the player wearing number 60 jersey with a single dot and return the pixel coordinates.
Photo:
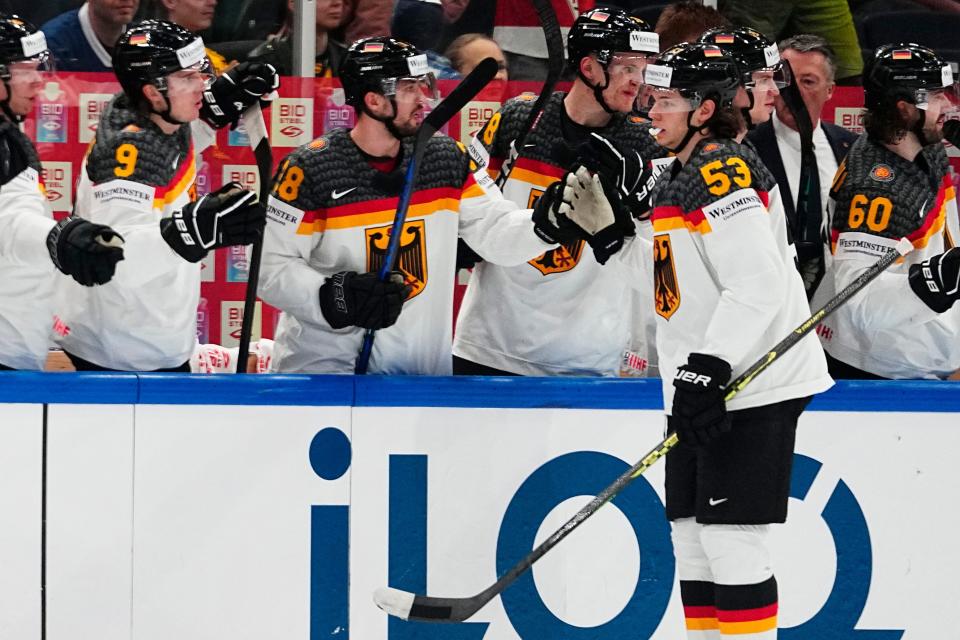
(896, 182)
(330, 214)
(138, 176)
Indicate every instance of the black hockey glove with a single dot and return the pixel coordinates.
(699, 411)
(951, 131)
(592, 203)
(235, 90)
(351, 299)
(630, 175)
(937, 281)
(85, 251)
(229, 216)
(549, 225)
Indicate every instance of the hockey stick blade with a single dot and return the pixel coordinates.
(409, 606)
(463, 93)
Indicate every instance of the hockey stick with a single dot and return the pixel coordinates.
(409, 606)
(551, 32)
(257, 132)
(464, 92)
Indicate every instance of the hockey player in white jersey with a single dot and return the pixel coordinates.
(896, 182)
(562, 313)
(726, 290)
(138, 176)
(330, 214)
(31, 243)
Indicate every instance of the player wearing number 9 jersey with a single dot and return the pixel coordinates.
(330, 214)
(138, 176)
(896, 182)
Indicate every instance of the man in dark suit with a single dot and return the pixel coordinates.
(804, 166)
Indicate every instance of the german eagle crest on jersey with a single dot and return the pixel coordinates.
(411, 254)
(666, 292)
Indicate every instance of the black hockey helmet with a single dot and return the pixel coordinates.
(151, 50)
(697, 71)
(606, 31)
(20, 41)
(375, 64)
(752, 52)
(907, 72)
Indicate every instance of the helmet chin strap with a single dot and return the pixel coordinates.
(387, 120)
(599, 89)
(746, 112)
(691, 130)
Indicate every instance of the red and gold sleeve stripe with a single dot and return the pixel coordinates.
(539, 174)
(668, 218)
(936, 217)
(371, 212)
(182, 180)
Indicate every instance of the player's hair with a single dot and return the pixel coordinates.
(809, 43)
(726, 123)
(885, 122)
(685, 21)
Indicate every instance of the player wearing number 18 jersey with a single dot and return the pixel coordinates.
(330, 215)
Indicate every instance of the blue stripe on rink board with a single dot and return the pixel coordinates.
(918, 396)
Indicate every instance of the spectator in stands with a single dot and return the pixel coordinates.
(829, 19)
(517, 30)
(366, 19)
(685, 22)
(468, 50)
(420, 22)
(778, 143)
(83, 39)
(277, 50)
(195, 16)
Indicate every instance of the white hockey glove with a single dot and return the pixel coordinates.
(586, 204)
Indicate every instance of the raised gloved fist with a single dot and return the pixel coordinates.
(351, 299)
(235, 90)
(699, 412)
(85, 251)
(625, 169)
(229, 216)
(595, 207)
(937, 281)
(548, 223)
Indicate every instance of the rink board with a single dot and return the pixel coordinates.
(272, 507)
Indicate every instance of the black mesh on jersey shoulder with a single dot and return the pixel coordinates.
(445, 164)
(874, 172)
(158, 155)
(690, 189)
(541, 141)
(329, 164)
(17, 152)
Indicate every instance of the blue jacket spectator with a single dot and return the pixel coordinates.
(83, 39)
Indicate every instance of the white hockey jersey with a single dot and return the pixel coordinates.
(877, 198)
(27, 274)
(724, 278)
(561, 313)
(146, 317)
(330, 211)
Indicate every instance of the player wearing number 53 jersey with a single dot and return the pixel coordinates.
(329, 217)
(138, 176)
(725, 291)
(896, 182)
(561, 313)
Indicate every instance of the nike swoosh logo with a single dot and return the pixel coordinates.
(336, 195)
(714, 503)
